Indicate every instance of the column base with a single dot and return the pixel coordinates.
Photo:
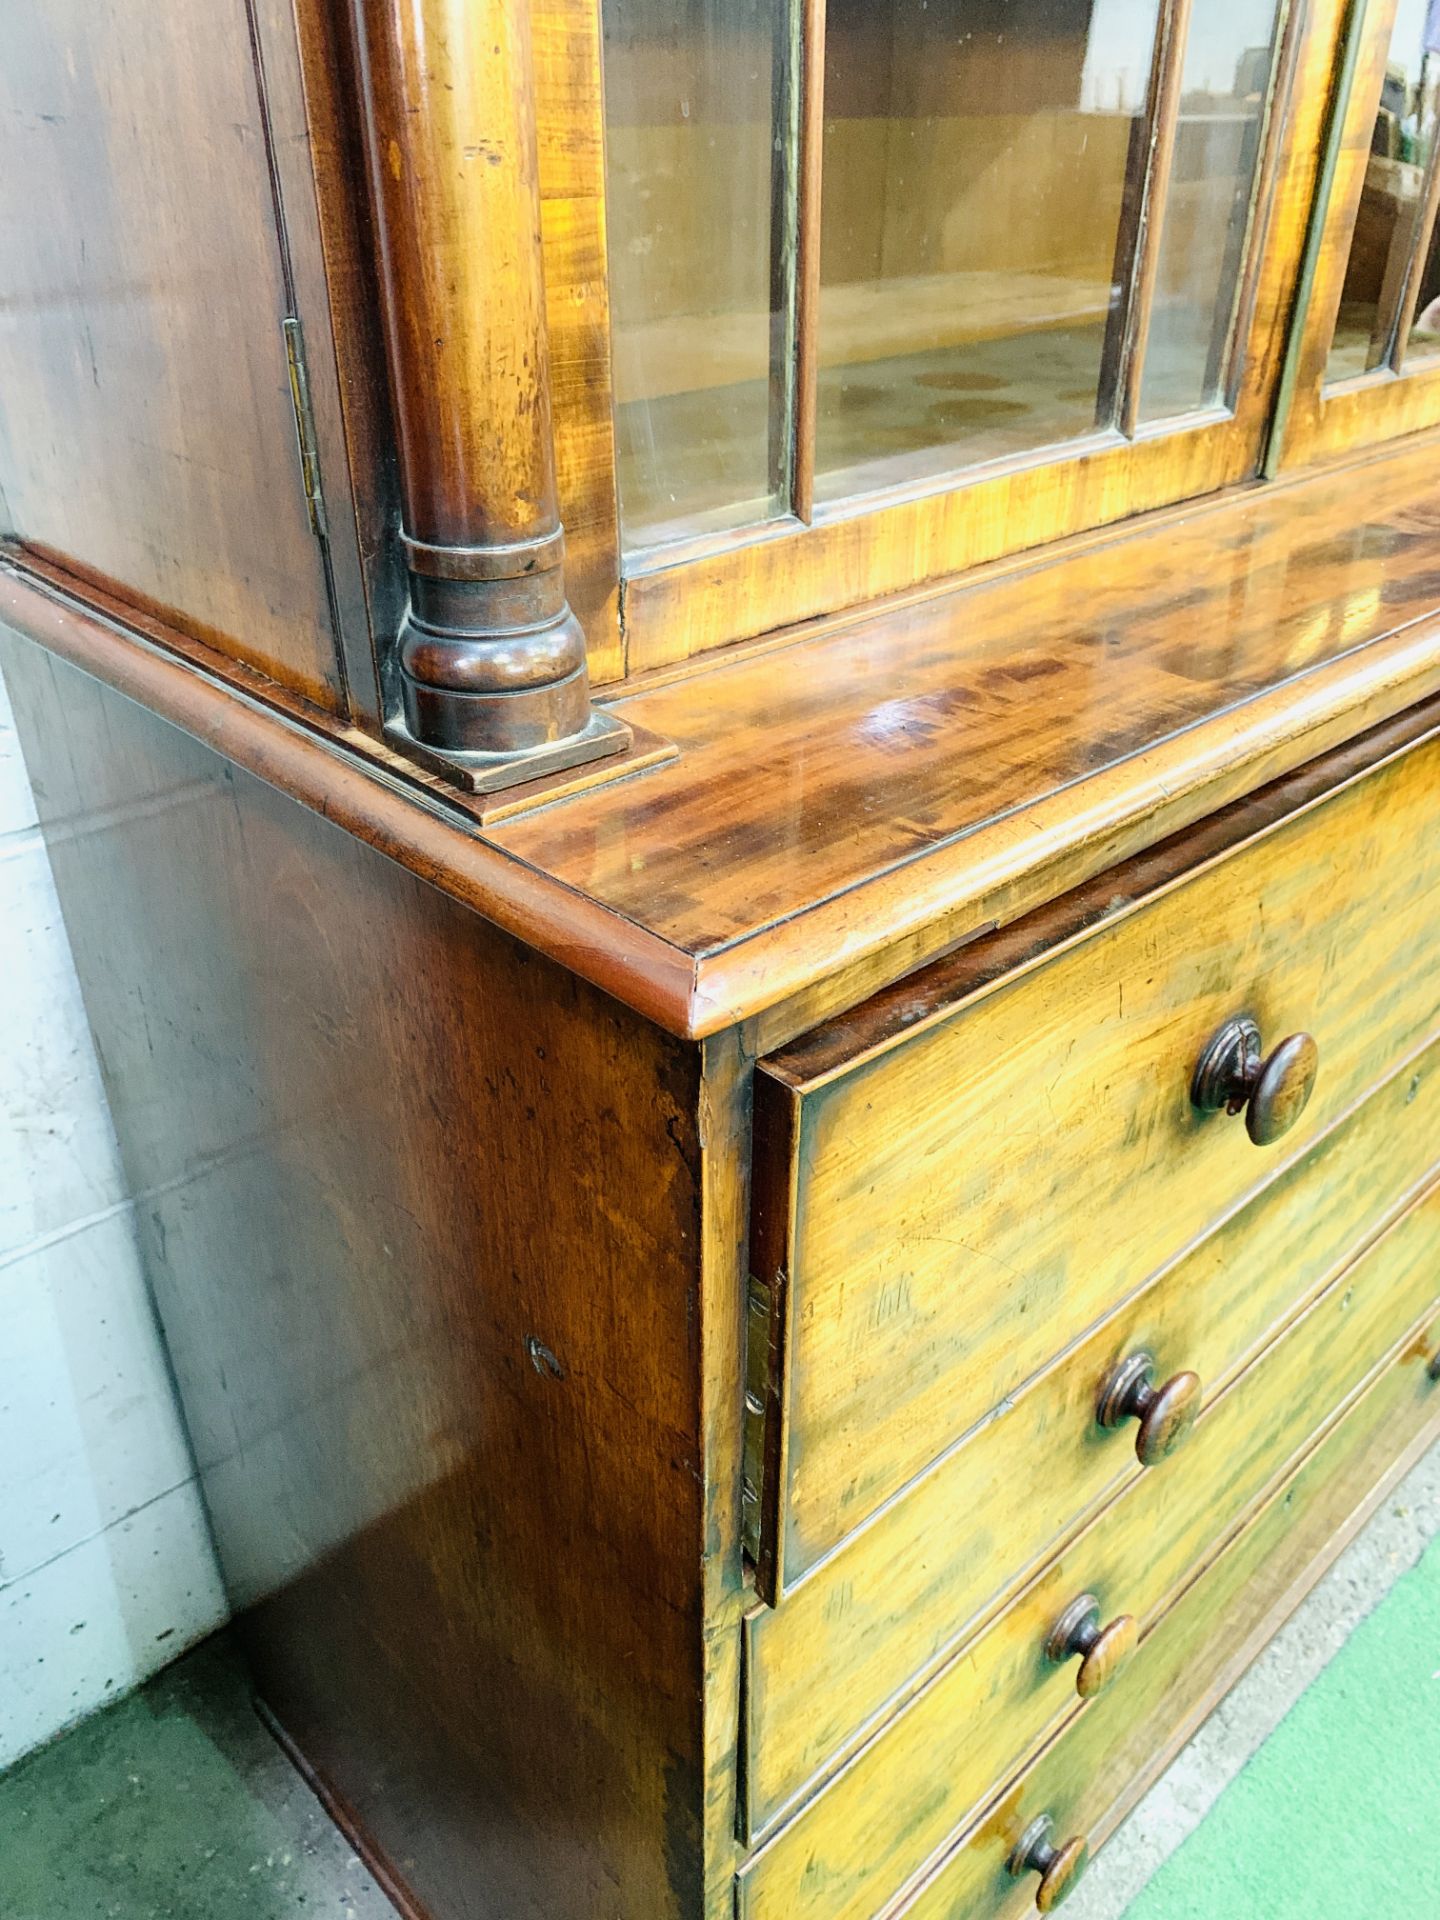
(603, 734)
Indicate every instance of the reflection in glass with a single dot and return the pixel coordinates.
(1387, 225)
(977, 155)
(1225, 84)
(690, 130)
(1425, 328)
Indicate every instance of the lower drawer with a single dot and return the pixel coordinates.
(916, 1781)
(1089, 1777)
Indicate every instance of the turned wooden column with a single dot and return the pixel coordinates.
(490, 660)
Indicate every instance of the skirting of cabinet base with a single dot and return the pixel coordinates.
(373, 1857)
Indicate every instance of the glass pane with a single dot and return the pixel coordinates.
(1225, 84)
(1425, 332)
(691, 157)
(976, 160)
(1386, 227)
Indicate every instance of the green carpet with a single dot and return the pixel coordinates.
(1337, 1816)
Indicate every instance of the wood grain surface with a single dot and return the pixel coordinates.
(995, 1702)
(446, 1412)
(442, 1116)
(565, 42)
(826, 787)
(147, 433)
(847, 807)
(868, 1626)
(449, 110)
(951, 1225)
(1096, 1769)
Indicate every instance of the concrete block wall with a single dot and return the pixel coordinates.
(106, 1570)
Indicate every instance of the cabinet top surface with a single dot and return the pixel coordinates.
(851, 801)
(824, 784)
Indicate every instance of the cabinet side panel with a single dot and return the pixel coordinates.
(422, 1215)
(147, 428)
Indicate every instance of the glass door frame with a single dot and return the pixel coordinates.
(660, 608)
(1316, 421)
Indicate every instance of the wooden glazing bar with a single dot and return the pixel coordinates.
(809, 163)
(1248, 241)
(1355, 94)
(679, 604)
(1332, 146)
(1172, 39)
(785, 118)
(1420, 239)
(1119, 323)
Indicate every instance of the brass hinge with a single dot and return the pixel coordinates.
(305, 425)
(763, 1463)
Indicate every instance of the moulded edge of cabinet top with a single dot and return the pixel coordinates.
(853, 800)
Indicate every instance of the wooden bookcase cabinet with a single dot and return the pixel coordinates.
(478, 1097)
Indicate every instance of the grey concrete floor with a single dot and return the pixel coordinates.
(176, 1804)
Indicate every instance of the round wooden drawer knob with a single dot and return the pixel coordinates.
(1103, 1650)
(1059, 1867)
(1274, 1090)
(1166, 1414)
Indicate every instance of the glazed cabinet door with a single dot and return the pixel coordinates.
(899, 286)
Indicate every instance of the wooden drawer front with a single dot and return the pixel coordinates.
(1090, 1776)
(886, 1813)
(866, 1627)
(939, 1215)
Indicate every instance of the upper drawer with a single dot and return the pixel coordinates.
(939, 1209)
